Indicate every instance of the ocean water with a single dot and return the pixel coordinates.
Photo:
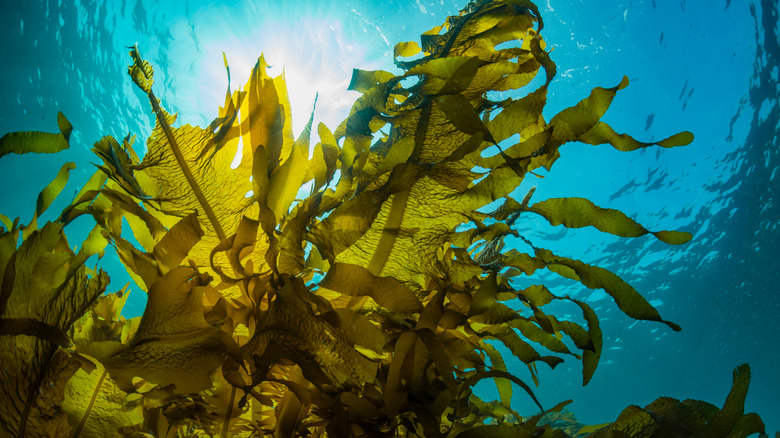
(710, 67)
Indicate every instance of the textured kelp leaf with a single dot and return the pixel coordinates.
(534, 333)
(484, 296)
(523, 116)
(291, 242)
(42, 295)
(445, 68)
(398, 153)
(439, 356)
(403, 239)
(747, 425)
(32, 411)
(579, 212)
(357, 328)
(462, 115)
(8, 242)
(462, 77)
(236, 248)
(538, 295)
(198, 188)
(467, 147)
(581, 122)
(7, 223)
(94, 244)
(519, 348)
(38, 142)
(111, 206)
(48, 194)
(96, 407)
(634, 422)
(224, 405)
(174, 345)
(356, 281)
(625, 296)
(522, 261)
(324, 158)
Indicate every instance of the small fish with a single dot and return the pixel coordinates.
(683, 90)
(649, 121)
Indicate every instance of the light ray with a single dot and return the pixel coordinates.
(315, 51)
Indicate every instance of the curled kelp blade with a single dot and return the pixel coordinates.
(37, 142)
(40, 142)
(47, 196)
(579, 212)
(119, 163)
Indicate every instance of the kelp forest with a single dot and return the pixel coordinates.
(361, 287)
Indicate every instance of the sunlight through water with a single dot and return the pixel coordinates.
(312, 50)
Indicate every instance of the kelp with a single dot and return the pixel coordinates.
(44, 288)
(38, 142)
(356, 288)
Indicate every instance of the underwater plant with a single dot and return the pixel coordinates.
(355, 289)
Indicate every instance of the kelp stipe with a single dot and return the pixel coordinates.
(240, 337)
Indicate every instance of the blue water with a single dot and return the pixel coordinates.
(704, 66)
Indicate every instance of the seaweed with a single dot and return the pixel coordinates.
(369, 306)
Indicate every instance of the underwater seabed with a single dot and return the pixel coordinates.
(410, 269)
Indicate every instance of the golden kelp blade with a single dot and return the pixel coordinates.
(38, 142)
(174, 346)
(47, 196)
(189, 169)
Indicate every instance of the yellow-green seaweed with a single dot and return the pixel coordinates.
(363, 309)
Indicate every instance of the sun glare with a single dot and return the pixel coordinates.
(312, 51)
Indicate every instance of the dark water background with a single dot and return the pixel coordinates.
(710, 67)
